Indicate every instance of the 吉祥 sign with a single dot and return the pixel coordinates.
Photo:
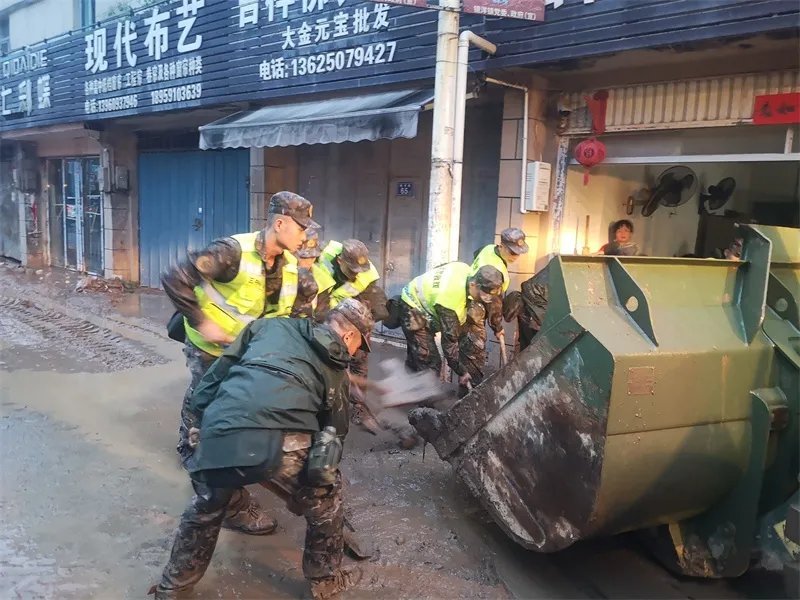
(316, 43)
(182, 54)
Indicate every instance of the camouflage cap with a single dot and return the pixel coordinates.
(311, 247)
(355, 256)
(513, 238)
(360, 316)
(489, 280)
(292, 205)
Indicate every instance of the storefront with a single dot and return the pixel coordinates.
(685, 161)
(110, 116)
(128, 189)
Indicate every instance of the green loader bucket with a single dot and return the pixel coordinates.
(661, 394)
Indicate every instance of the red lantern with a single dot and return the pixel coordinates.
(589, 153)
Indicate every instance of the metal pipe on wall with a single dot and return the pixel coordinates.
(464, 40)
(441, 181)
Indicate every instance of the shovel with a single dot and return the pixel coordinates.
(501, 337)
(400, 387)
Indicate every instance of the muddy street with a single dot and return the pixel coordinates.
(92, 488)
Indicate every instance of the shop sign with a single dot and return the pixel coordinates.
(777, 109)
(312, 43)
(113, 55)
(529, 10)
(180, 54)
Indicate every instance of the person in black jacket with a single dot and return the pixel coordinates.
(261, 408)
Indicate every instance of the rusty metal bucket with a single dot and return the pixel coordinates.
(660, 394)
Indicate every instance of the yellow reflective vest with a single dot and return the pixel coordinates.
(324, 279)
(488, 256)
(349, 289)
(445, 285)
(234, 304)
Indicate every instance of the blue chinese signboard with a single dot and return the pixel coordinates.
(190, 53)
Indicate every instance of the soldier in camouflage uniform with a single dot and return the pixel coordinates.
(438, 301)
(528, 307)
(278, 371)
(307, 284)
(254, 268)
(472, 344)
(512, 247)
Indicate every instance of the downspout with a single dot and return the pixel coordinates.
(464, 40)
(523, 183)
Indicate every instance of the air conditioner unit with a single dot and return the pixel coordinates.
(537, 187)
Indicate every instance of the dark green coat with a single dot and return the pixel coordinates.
(279, 375)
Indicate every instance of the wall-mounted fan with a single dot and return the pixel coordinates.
(674, 187)
(717, 196)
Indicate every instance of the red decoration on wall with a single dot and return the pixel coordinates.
(777, 109)
(589, 153)
(597, 104)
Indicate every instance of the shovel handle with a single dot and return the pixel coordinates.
(501, 337)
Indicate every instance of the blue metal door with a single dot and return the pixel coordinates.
(186, 199)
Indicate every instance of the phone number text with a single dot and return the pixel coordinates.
(327, 62)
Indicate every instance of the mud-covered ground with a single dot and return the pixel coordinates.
(91, 489)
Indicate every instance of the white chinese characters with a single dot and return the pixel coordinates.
(96, 51)
(363, 19)
(188, 13)
(153, 38)
(26, 99)
(126, 34)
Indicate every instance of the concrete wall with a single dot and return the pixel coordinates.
(120, 207)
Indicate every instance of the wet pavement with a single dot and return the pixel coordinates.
(91, 488)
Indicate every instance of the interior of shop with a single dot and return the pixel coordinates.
(683, 192)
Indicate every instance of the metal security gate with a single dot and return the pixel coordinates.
(186, 199)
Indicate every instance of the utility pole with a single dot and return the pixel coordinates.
(442, 145)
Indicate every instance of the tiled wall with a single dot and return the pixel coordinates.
(541, 146)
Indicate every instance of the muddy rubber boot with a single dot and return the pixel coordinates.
(331, 587)
(160, 593)
(250, 518)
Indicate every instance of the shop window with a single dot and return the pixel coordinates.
(86, 12)
(699, 221)
(5, 36)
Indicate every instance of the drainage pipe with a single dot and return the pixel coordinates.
(464, 40)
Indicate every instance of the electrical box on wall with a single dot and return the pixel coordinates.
(537, 187)
(121, 179)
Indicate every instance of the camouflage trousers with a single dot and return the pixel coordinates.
(421, 350)
(472, 344)
(198, 531)
(198, 363)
